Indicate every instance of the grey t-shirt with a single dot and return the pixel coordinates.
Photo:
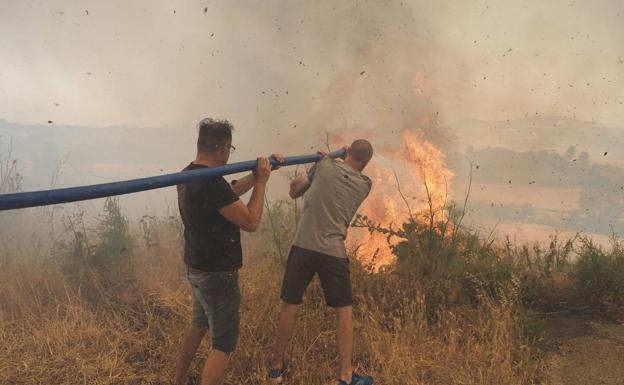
(336, 192)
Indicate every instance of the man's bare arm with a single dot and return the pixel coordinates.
(244, 184)
(299, 186)
(241, 186)
(248, 217)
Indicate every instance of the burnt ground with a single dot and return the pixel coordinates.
(584, 350)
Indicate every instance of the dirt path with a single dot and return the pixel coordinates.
(584, 351)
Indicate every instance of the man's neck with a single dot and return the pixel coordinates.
(205, 160)
(354, 165)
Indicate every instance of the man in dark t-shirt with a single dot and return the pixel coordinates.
(206, 231)
(213, 216)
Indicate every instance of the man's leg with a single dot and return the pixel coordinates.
(216, 305)
(192, 338)
(285, 329)
(191, 341)
(215, 368)
(299, 272)
(344, 317)
(221, 299)
(335, 278)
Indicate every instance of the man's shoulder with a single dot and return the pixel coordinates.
(217, 185)
(324, 166)
(368, 180)
(334, 162)
(207, 186)
(367, 184)
(327, 161)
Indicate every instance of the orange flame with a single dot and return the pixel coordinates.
(399, 192)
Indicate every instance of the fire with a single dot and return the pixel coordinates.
(421, 85)
(405, 180)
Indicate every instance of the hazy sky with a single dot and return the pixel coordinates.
(272, 65)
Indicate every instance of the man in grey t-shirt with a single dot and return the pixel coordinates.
(334, 189)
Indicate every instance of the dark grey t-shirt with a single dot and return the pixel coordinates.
(336, 192)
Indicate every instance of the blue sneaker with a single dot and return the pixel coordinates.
(358, 380)
(276, 376)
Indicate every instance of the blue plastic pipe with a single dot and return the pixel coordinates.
(73, 194)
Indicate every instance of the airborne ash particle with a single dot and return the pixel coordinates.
(50, 122)
(206, 10)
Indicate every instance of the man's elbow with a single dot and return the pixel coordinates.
(250, 226)
(292, 191)
(295, 191)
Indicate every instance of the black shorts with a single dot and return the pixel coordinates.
(333, 272)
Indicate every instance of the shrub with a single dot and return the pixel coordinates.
(115, 241)
(441, 252)
(90, 258)
(600, 274)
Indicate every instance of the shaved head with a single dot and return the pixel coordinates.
(361, 150)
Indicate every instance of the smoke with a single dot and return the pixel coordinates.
(299, 68)
(285, 73)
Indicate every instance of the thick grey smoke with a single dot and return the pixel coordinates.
(154, 63)
(286, 72)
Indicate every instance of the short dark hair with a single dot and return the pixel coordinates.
(212, 134)
(361, 150)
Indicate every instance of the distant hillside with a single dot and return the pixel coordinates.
(94, 154)
(566, 175)
(104, 154)
(536, 133)
(536, 167)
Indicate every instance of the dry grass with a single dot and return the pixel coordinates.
(127, 331)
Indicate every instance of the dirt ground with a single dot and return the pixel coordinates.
(584, 350)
